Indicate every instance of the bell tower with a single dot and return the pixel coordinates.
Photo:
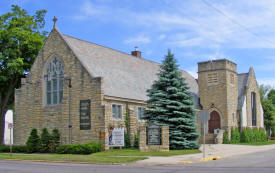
(218, 92)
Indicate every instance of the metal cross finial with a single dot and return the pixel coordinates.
(54, 21)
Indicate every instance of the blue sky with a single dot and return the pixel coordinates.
(195, 30)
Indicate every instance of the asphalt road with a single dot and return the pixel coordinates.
(253, 163)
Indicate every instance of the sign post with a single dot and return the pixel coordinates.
(10, 125)
(204, 117)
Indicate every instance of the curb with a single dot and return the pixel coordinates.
(210, 158)
(184, 162)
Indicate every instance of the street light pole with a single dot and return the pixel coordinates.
(70, 108)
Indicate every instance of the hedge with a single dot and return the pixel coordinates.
(15, 149)
(87, 148)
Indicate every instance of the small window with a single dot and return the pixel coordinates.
(233, 118)
(232, 78)
(212, 78)
(116, 111)
(140, 113)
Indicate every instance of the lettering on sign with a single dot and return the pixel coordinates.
(85, 114)
(116, 137)
(153, 135)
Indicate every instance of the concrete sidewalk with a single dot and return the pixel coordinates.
(212, 150)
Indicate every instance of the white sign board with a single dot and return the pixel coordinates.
(116, 137)
(10, 126)
(204, 116)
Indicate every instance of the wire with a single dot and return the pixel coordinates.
(237, 23)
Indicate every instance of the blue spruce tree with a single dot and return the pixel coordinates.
(170, 104)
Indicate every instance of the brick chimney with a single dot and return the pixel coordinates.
(136, 53)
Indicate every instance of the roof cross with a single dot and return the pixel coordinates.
(54, 21)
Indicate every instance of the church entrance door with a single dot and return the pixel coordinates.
(214, 122)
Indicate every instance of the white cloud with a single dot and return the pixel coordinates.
(242, 24)
(140, 39)
(267, 81)
(193, 72)
(161, 37)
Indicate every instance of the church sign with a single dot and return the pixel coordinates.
(153, 135)
(116, 137)
(85, 114)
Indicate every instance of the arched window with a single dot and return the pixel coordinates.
(253, 109)
(54, 82)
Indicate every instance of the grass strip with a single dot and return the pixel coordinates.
(136, 152)
(72, 158)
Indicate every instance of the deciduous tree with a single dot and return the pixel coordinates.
(21, 39)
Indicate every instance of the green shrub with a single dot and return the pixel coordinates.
(256, 135)
(54, 140)
(249, 135)
(235, 136)
(33, 142)
(19, 149)
(46, 140)
(244, 136)
(4, 149)
(263, 135)
(87, 148)
(15, 149)
(127, 141)
(273, 132)
(136, 141)
(225, 138)
(56, 137)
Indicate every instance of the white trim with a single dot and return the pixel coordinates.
(244, 114)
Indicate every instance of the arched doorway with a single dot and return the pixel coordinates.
(214, 122)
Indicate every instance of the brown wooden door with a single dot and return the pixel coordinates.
(214, 122)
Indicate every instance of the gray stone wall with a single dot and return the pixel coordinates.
(221, 96)
(31, 110)
(253, 87)
(132, 106)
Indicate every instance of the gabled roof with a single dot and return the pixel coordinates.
(242, 84)
(124, 75)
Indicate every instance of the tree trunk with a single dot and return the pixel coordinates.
(2, 126)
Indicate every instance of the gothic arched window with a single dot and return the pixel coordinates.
(54, 82)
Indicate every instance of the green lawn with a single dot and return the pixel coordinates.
(107, 157)
(72, 158)
(136, 152)
(259, 143)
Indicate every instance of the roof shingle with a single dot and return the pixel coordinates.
(124, 75)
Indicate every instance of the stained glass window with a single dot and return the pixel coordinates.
(54, 83)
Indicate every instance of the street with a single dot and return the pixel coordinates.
(263, 162)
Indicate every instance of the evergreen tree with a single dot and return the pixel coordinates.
(56, 137)
(33, 142)
(55, 140)
(171, 104)
(46, 139)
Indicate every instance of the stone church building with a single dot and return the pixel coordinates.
(82, 88)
